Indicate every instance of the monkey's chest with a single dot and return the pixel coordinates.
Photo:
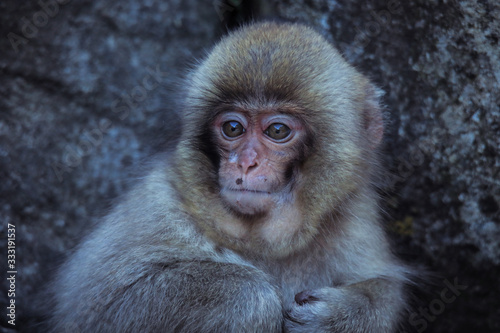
(303, 273)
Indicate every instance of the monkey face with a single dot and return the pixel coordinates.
(258, 151)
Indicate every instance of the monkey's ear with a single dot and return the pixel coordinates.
(372, 113)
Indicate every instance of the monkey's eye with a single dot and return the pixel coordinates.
(278, 131)
(232, 129)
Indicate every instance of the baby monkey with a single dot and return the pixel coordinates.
(263, 219)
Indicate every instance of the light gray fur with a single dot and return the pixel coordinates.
(148, 269)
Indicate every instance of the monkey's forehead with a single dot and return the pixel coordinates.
(275, 61)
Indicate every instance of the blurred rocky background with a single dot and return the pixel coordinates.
(88, 90)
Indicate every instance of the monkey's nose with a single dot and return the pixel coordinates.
(247, 167)
(248, 161)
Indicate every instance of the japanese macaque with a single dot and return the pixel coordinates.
(263, 219)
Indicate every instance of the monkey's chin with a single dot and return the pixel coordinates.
(248, 202)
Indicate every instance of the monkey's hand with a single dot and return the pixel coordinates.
(368, 306)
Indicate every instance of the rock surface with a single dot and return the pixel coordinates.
(87, 88)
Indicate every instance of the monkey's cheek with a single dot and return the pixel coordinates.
(247, 202)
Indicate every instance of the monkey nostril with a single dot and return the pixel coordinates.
(253, 166)
(247, 167)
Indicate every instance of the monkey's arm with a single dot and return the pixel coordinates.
(220, 297)
(369, 306)
(177, 293)
(366, 293)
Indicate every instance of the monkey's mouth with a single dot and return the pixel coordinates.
(248, 201)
